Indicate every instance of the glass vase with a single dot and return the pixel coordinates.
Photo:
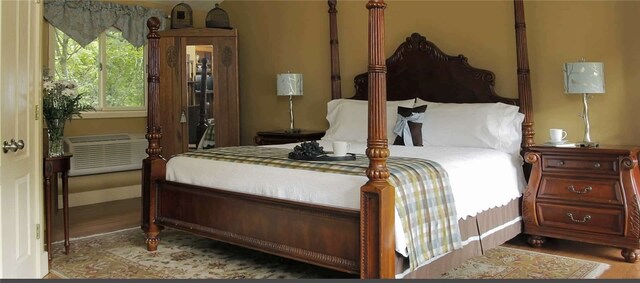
(55, 133)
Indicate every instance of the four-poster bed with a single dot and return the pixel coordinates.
(359, 241)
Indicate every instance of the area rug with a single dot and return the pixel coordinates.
(509, 263)
(180, 255)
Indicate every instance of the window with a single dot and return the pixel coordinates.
(110, 72)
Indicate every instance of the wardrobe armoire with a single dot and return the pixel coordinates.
(182, 92)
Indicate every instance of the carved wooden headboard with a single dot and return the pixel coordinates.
(418, 68)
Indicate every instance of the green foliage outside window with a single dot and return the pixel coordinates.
(123, 68)
(125, 72)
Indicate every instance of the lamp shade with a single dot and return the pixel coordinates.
(584, 77)
(289, 84)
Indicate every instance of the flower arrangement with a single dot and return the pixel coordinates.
(61, 100)
(60, 103)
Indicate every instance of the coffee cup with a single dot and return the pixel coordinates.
(557, 135)
(340, 148)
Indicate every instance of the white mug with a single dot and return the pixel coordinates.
(557, 135)
(340, 148)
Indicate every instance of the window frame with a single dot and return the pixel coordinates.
(105, 112)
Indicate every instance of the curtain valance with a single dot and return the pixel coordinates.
(84, 20)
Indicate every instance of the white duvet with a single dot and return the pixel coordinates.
(480, 179)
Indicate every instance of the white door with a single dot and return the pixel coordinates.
(21, 252)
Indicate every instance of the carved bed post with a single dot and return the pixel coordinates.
(154, 166)
(336, 90)
(524, 82)
(377, 196)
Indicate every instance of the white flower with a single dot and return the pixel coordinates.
(65, 84)
(70, 85)
(69, 92)
(48, 85)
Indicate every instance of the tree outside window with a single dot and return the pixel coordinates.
(109, 71)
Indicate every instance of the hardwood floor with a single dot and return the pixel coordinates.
(98, 218)
(618, 269)
(117, 215)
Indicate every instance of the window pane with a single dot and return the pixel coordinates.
(125, 72)
(75, 63)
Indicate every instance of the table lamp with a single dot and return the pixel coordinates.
(584, 78)
(290, 85)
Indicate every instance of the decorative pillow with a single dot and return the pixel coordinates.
(348, 119)
(483, 125)
(409, 119)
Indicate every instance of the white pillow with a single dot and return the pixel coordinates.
(483, 125)
(348, 119)
(420, 102)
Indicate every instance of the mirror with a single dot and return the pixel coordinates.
(200, 103)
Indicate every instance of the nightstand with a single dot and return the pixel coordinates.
(584, 194)
(281, 137)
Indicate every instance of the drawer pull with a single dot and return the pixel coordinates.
(560, 163)
(586, 190)
(584, 219)
(596, 165)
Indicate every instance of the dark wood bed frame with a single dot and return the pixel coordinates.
(353, 241)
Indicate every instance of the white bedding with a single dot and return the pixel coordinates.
(480, 179)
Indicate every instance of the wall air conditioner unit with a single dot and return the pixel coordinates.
(105, 153)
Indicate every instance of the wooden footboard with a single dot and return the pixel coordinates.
(314, 234)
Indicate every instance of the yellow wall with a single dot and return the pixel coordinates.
(280, 36)
(598, 31)
(277, 36)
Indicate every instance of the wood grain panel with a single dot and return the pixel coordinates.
(588, 164)
(609, 221)
(323, 236)
(605, 191)
(226, 94)
(171, 102)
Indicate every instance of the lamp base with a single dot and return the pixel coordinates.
(292, 131)
(587, 144)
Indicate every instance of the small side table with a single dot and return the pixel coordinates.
(53, 166)
(281, 137)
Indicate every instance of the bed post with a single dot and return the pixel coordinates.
(377, 196)
(336, 90)
(153, 167)
(524, 82)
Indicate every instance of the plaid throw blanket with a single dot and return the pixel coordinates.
(424, 200)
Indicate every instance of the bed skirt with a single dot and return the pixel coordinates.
(480, 233)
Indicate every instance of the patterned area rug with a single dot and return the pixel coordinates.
(509, 263)
(183, 256)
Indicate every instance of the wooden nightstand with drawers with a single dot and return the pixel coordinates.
(584, 194)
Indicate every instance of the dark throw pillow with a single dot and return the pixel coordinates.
(414, 127)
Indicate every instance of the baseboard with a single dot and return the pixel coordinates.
(98, 196)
